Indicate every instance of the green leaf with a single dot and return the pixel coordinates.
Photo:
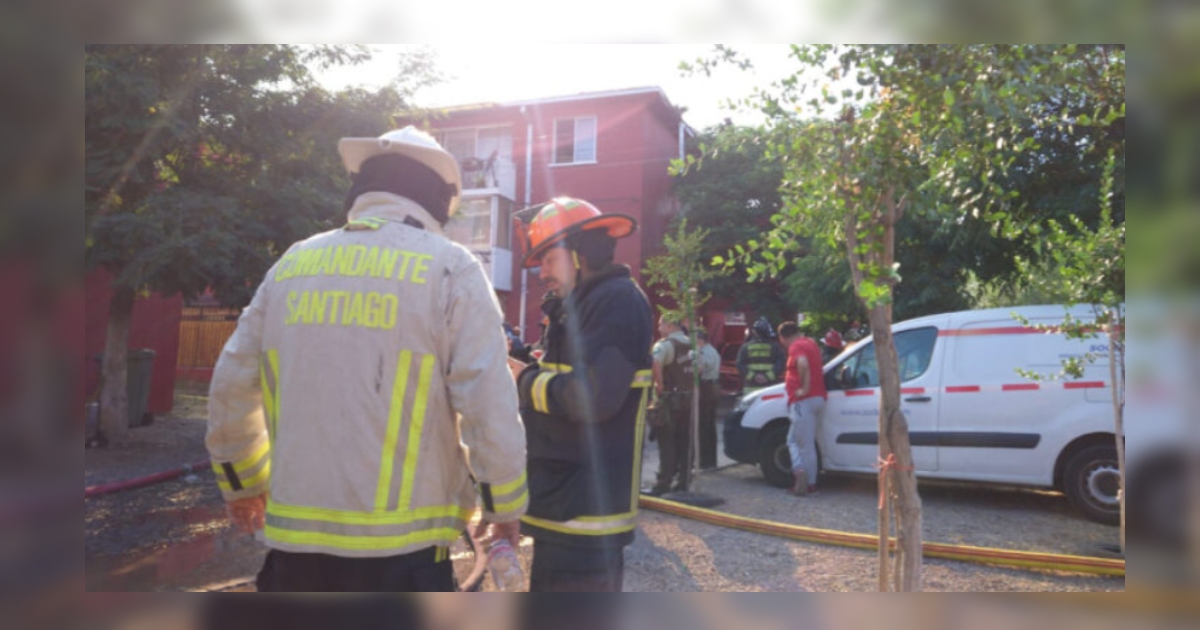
(948, 97)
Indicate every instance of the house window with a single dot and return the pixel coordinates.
(575, 140)
(482, 154)
(472, 224)
(460, 143)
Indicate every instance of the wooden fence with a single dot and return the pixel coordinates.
(203, 331)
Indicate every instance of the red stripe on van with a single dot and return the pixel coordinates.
(1084, 385)
(976, 332)
(860, 392)
(772, 397)
(912, 390)
(1021, 387)
(963, 389)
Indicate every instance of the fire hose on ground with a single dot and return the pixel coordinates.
(961, 553)
(138, 482)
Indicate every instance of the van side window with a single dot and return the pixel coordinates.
(914, 349)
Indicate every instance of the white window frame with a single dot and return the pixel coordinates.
(440, 136)
(575, 146)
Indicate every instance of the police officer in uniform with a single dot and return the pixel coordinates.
(673, 383)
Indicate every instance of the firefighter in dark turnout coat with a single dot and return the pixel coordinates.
(584, 402)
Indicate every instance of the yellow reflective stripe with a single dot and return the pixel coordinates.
(586, 526)
(273, 365)
(259, 478)
(387, 461)
(639, 431)
(561, 368)
(369, 223)
(643, 378)
(509, 506)
(268, 400)
(253, 459)
(346, 517)
(538, 391)
(505, 488)
(224, 485)
(441, 554)
(604, 519)
(416, 424)
(361, 543)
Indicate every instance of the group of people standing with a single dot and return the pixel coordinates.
(771, 356)
(360, 441)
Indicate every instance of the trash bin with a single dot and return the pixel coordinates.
(138, 375)
(141, 369)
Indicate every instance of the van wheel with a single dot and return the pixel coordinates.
(1091, 482)
(773, 456)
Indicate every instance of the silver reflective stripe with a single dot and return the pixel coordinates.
(365, 531)
(587, 526)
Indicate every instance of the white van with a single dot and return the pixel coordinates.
(971, 416)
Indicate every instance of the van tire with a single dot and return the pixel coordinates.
(773, 457)
(1090, 485)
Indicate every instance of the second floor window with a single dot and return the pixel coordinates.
(575, 140)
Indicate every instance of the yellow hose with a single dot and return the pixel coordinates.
(964, 553)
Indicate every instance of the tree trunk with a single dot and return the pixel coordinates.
(694, 445)
(885, 526)
(894, 441)
(114, 396)
(1117, 380)
(693, 455)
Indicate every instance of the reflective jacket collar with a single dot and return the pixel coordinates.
(392, 207)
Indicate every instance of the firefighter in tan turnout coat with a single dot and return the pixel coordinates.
(368, 357)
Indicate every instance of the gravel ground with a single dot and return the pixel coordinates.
(169, 442)
(173, 536)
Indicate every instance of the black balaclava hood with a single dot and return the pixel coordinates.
(404, 176)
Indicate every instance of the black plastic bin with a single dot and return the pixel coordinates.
(139, 375)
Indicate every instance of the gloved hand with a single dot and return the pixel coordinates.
(249, 514)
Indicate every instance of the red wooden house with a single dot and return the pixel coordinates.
(610, 148)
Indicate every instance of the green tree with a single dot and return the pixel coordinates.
(731, 191)
(203, 163)
(1089, 269)
(925, 132)
(678, 275)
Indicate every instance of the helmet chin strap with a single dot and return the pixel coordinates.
(575, 259)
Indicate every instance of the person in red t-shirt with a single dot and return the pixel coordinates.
(805, 384)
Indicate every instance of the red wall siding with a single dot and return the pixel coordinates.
(155, 325)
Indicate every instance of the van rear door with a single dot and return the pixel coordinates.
(997, 425)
